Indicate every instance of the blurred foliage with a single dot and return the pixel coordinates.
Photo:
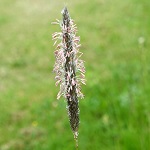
(115, 114)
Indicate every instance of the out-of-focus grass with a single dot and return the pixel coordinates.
(115, 114)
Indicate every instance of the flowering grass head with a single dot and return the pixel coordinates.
(69, 68)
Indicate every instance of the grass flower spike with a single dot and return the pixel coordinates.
(69, 68)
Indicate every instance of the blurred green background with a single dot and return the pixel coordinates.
(115, 114)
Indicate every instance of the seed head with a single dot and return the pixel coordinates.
(69, 68)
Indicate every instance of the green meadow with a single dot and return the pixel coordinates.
(115, 113)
